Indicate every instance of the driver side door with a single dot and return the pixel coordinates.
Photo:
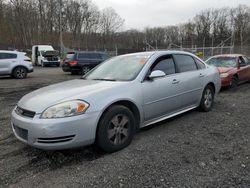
(159, 94)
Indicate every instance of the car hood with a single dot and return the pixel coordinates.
(45, 97)
(224, 69)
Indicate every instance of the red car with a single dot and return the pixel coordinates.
(233, 68)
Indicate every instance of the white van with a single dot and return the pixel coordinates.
(44, 55)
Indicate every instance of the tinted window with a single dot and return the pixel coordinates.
(88, 56)
(185, 63)
(104, 56)
(200, 64)
(8, 56)
(165, 65)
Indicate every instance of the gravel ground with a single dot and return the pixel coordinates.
(192, 150)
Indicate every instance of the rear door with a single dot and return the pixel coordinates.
(191, 80)
(6, 60)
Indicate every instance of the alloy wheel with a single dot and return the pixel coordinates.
(118, 130)
(208, 98)
(20, 73)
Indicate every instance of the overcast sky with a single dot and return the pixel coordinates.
(142, 13)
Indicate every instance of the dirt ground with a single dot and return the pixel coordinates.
(192, 150)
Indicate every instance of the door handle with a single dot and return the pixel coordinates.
(201, 75)
(175, 81)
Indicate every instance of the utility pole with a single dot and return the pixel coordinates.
(60, 27)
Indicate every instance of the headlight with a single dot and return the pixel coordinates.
(65, 109)
(224, 75)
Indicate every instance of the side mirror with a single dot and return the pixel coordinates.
(157, 74)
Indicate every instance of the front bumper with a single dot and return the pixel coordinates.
(55, 134)
(30, 70)
(51, 63)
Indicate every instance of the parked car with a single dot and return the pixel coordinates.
(233, 68)
(82, 62)
(14, 63)
(110, 102)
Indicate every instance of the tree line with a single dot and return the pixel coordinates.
(24, 23)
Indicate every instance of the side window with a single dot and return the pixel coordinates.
(11, 56)
(165, 64)
(247, 61)
(185, 63)
(94, 56)
(8, 56)
(242, 61)
(200, 64)
(83, 56)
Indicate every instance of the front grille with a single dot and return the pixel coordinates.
(22, 133)
(55, 139)
(26, 113)
(52, 58)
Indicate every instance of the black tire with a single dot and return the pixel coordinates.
(234, 83)
(207, 100)
(116, 129)
(19, 73)
(85, 70)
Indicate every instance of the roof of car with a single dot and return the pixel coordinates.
(164, 52)
(228, 55)
(12, 52)
(96, 52)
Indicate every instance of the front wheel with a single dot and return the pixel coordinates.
(115, 129)
(207, 99)
(20, 72)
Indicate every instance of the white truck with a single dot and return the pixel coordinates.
(45, 55)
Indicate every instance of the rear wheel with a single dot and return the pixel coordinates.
(234, 83)
(85, 70)
(207, 99)
(20, 72)
(115, 129)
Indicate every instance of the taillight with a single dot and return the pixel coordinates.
(72, 62)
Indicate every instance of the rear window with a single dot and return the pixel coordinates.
(70, 56)
(8, 56)
(89, 56)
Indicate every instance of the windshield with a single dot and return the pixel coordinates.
(120, 68)
(223, 61)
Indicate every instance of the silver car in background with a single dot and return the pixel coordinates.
(108, 104)
(14, 63)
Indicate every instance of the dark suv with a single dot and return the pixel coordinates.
(82, 62)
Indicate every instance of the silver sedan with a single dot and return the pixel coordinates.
(111, 102)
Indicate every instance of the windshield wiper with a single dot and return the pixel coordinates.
(104, 79)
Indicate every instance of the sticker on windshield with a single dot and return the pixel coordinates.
(142, 61)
